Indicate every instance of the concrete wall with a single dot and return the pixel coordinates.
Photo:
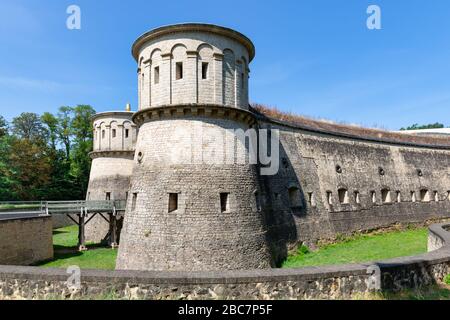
(26, 241)
(330, 282)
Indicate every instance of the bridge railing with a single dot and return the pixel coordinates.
(63, 207)
(22, 206)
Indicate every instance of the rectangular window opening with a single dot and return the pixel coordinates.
(133, 201)
(205, 70)
(114, 133)
(179, 70)
(173, 202)
(127, 133)
(103, 134)
(156, 75)
(224, 202)
(108, 196)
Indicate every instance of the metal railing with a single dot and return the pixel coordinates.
(62, 207)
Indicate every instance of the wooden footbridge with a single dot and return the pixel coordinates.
(80, 212)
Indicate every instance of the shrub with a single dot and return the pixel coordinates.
(447, 279)
(303, 250)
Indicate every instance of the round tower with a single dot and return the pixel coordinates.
(112, 164)
(193, 201)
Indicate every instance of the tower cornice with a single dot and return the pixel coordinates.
(201, 110)
(193, 27)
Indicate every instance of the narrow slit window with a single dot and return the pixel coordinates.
(311, 199)
(225, 202)
(114, 133)
(205, 66)
(133, 201)
(179, 70)
(173, 202)
(258, 201)
(330, 198)
(357, 197)
(108, 196)
(103, 134)
(156, 75)
(242, 80)
(373, 195)
(127, 133)
(143, 81)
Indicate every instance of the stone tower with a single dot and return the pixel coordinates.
(193, 201)
(112, 163)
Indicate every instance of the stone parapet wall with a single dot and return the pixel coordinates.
(329, 282)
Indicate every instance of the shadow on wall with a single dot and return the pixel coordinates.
(280, 223)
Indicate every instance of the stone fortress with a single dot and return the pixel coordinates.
(192, 214)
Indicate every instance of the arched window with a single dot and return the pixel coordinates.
(386, 196)
(425, 195)
(343, 196)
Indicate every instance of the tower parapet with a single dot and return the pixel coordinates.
(193, 63)
(112, 163)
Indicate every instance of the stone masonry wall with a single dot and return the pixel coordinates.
(179, 157)
(349, 185)
(26, 241)
(329, 282)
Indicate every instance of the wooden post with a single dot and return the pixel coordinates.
(113, 231)
(81, 231)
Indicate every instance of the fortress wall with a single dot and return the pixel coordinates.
(311, 161)
(199, 234)
(24, 241)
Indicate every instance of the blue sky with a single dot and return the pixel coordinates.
(314, 57)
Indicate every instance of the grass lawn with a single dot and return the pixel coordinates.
(363, 248)
(66, 252)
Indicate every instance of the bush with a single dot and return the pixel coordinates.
(303, 250)
(447, 279)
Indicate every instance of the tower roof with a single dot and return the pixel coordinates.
(193, 27)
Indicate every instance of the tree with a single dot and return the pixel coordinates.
(51, 124)
(416, 126)
(83, 140)
(29, 126)
(3, 127)
(30, 167)
(64, 132)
